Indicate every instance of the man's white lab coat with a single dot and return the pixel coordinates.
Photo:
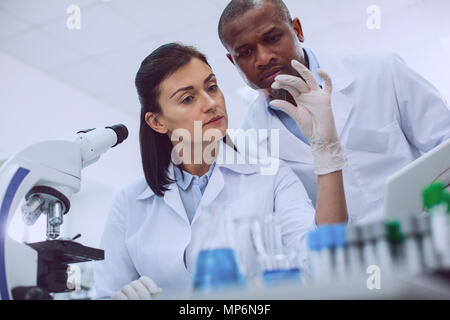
(386, 115)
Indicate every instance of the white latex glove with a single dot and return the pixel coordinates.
(142, 289)
(314, 116)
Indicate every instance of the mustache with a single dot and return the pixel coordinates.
(289, 70)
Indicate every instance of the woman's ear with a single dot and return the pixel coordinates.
(152, 119)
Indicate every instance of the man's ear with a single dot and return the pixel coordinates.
(297, 26)
(152, 119)
(230, 58)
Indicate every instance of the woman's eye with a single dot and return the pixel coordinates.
(187, 100)
(213, 88)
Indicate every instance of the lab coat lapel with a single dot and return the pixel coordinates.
(342, 78)
(173, 199)
(342, 106)
(217, 182)
(213, 189)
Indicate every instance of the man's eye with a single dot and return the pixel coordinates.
(274, 38)
(245, 53)
(187, 100)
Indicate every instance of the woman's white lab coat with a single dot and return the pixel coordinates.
(146, 235)
(386, 116)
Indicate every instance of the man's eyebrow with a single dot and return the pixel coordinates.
(241, 47)
(265, 34)
(270, 31)
(212, 75)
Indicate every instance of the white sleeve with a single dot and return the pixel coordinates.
(424, 113)
(294, 210)
(117, 269)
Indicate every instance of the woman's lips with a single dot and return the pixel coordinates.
(214, 121)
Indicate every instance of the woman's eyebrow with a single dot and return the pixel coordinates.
(182, 89)
(212, 75)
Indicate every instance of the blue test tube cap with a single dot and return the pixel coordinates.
(340, 238)
(326, 236)
(313, 241)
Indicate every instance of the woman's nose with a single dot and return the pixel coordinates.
(209, 103)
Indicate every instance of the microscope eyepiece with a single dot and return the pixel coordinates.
(121, 131)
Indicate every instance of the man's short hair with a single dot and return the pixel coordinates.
(237, 8)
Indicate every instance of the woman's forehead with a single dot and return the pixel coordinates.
(191, 74)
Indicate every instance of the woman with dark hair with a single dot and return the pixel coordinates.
(152, 235)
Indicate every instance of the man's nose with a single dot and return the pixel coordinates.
(264, 57)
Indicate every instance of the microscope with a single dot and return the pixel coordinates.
(44, 176)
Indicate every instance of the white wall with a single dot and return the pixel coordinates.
(35, 107)
(417, 30)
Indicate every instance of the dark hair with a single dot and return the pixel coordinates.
(156, 148)
(237, 8)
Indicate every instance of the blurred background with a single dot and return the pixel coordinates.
(55, 81)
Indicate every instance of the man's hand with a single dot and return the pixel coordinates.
(314, 116)
(142, 289)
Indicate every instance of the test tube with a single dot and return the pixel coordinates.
(382, 250)
(339, 251)
(435, 200)
(396, 238)
(447, 249)
(423, 228)
(439, 231)
(326, 252)
(353, 251)
(314, 254)
(411, 261)
(368, 248)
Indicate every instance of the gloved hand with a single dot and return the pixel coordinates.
(142, 289)
(314, 116)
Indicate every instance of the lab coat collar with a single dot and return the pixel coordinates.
(147, 193)
(333, 65)
(342, 78)
(172, 196)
